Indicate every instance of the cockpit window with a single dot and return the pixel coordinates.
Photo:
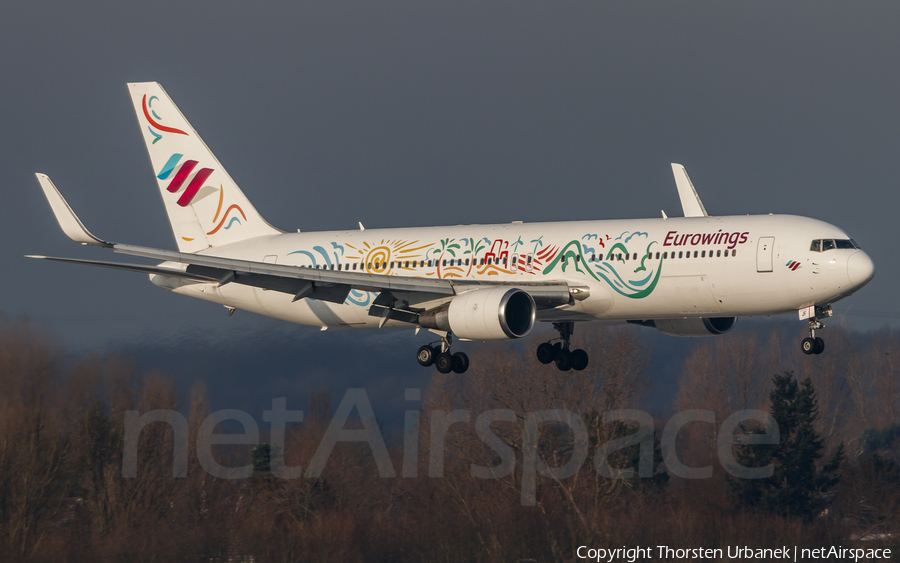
(830, 244)
(843, 243)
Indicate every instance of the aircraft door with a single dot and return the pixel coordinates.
(764, 251)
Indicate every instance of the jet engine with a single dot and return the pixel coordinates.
(497, 313)
(693, 327)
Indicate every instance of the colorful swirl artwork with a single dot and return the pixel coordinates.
(154, 124)
(597, 256)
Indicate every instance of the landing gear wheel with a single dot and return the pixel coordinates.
(557, 348)
(809, 346)
(546, 353)
(426, 355)
(579, 359)
(444, 362)
(460, 362)
(564, 360)
(820, 346)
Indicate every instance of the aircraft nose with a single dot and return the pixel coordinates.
(860, 268)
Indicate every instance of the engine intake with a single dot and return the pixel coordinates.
(498, 313)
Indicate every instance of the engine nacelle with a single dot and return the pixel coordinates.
(497, 313)
(694, 327)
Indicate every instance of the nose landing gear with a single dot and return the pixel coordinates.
(559, 352)
(814, 344)
(439, 355)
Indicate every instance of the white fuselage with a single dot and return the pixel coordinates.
(639, 269)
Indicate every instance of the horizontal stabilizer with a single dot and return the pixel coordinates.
(690, 201)
(130, 268)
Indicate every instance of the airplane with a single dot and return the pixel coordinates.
(684, 276)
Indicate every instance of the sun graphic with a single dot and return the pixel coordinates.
(387, 256)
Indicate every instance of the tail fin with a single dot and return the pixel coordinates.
(205, 206)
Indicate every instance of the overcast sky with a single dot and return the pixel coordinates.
(421, 113)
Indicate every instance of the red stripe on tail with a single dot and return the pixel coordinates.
(181, 175)
(194, 187)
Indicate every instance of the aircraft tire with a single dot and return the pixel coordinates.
(545, 353)
(564, 360)
(579, 359)
(444, 362)
(425, 356)
(820, 346)
(460, 362)
(809, 346)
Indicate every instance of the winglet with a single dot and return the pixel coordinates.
(68, 221)
(690, 201)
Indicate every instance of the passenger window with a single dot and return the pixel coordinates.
(703, 255)
(665, 255)
(816, 246)
(657, 255)
(626, 256)
(529, 259)
(734, 252)
(679, 254)
(827, 244)
(695, 254)
(467, 261)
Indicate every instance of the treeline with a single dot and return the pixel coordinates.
(63, 497)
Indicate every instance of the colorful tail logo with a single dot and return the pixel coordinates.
(154, 124)
(194, 187)
(180, 177)
(793, 265)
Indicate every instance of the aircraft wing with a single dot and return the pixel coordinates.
(325, 285)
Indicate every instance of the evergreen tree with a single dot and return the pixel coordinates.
(260, 457)
(798, 487)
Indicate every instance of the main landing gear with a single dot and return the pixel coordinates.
(559, 351)
(439, 355)
(814, 344)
